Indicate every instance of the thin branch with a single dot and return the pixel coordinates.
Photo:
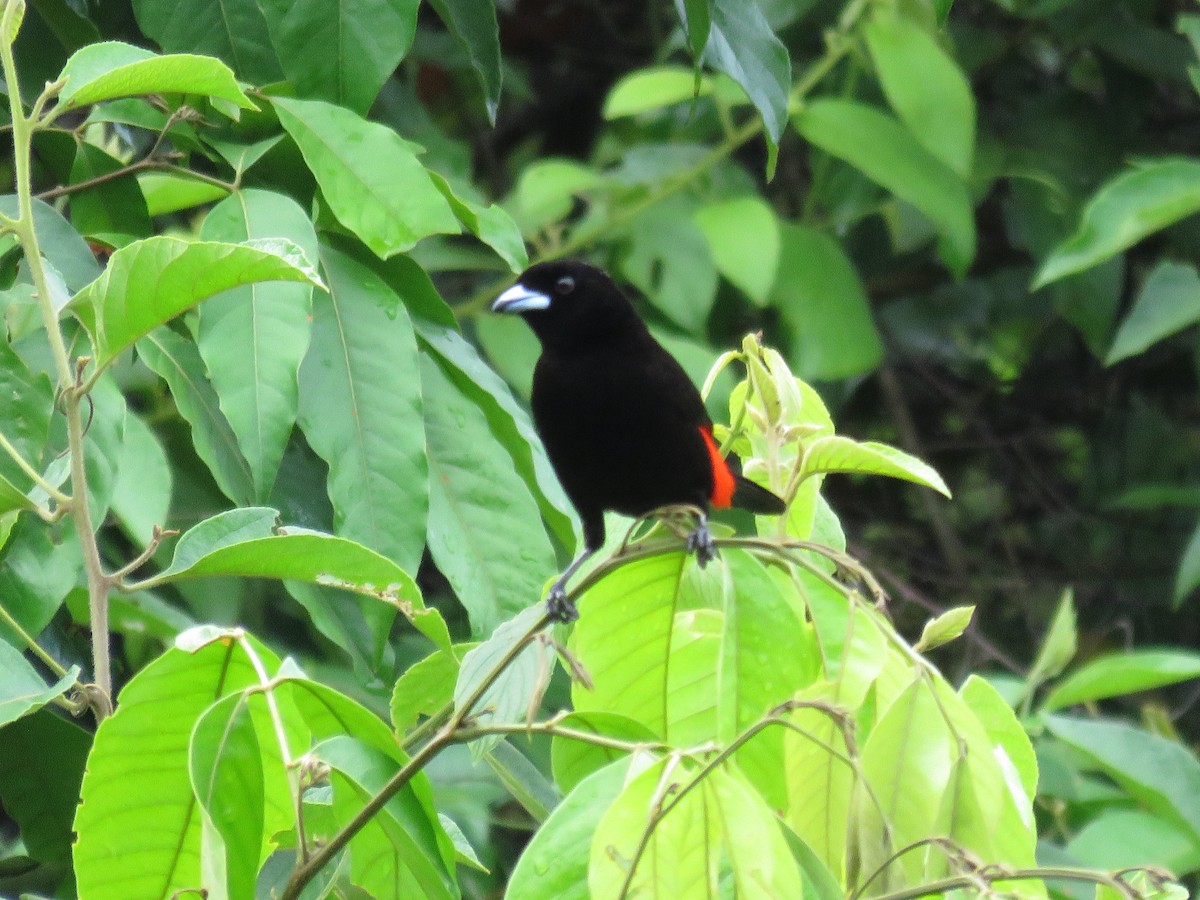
(117, 577)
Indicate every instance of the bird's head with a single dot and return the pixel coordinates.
(567, 302)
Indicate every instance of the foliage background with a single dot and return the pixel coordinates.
(929, 272)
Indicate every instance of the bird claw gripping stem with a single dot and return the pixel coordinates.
(559, 606)
(701, 542)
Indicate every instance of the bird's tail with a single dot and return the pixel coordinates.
(755, 498)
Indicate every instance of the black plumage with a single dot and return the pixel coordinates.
(623, 425)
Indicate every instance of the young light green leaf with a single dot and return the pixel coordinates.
(473, 24)
(367, 38)
(1187, 577)
(1059, 645)
(148, 841)
(403, 852)
(887, 153)
(1163, 774)
(370, 176)
(759, 856)
(226, 768)
(1004, 728)
(821, 297)
(253, 337)
(546, 191)
(360, 409)
(425, 687)
(554, 865)
(945, 628)
(178, 362)
(925, 87)
(150, 282)
(477, 503)
(1169, 301)
(834, 453)
(1126, 208)
(171, 193)
(1125, 673)
(573, 760)
(653, 88)
(112, 69)
(743, 235)
(22, 690)
(509, 696)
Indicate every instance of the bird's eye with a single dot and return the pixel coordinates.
(565, 285)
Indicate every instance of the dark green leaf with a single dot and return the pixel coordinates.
(36, 575)
(473, 24)
(59, 241)
(234, 30)
(360, 409)
(115, 211)
(1168, 302)
(1187, 577)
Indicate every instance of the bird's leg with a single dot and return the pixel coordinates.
(701, 542)
(558, 605)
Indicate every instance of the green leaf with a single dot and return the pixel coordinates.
(1163, 774)
(523, 780)
(369, 175)
(172, 193)
(1126, 208)
(473, 24)
(485, 530)
(26, 405)
(554, 865)
(147, 842)
(1168, 302)
(42, 758)
(11, 497)
(1059, 645)
(152, 281)
(226, 772)
(834, 453)
(760, 858)
(883, 150)
(697, 21)
(742, 45)
(1187, 578)
(253, 338)
(942, 7)
(341, 50)
(743, 235)
(653, 88)
(113, 210)
(60, 243)
(821, 297)
(178, 362)
(36, 576)
(141, 496)
(1005, 730)
(574, 760)
(925, 87)
(360, 409)
(22, 690)
(112, 69)
(508, 698)
(425, 687)
(546, 191)
(1125, 673)
(491, 224)
(1117, 838)
(403, 852)
(234, 31)
(945, 628)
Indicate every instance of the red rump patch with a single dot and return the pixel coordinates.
(723, 480)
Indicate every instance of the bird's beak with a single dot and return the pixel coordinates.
(519, 299)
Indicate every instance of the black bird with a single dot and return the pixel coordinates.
(624, 427)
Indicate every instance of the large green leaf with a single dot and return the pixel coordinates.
(403, 852)
(178, 362)
(887, 153)
(141, 496)
(150, 282)
(112, 69)
(253, 338)
(233, 30)
(473, 24)
(743, 235)
(360, 408)
(485, 531)
(147, 841)
(820, 296)
(488, 222)
(834, 453)
(925, 87)
(340, 50)
(1126, 208)
(60, 243)
(1163, 774)
(1125, 673)
(1168, 302)
(369, 175)
(759, 856)
(114, 209)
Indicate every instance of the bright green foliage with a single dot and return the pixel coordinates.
(248, 386)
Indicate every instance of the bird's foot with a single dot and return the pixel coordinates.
(559, 606)
(701, 542)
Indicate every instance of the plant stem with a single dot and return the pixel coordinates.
(22, 134)
(54, 493)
